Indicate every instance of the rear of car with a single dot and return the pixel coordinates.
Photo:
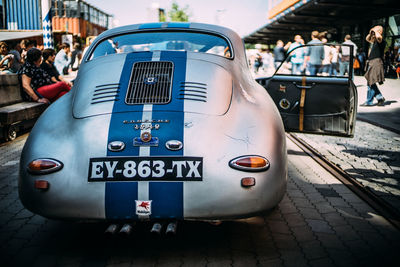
(155, 128)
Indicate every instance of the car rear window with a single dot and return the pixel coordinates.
(175, 41)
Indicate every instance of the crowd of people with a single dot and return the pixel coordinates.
(326, 60)
(40, 71)
(321, 58)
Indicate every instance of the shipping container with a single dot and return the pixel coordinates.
(23, 14)
(68, 16)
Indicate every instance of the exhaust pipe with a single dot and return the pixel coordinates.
(126, 229)
(156, 229)
(111, 229)
(171, 228)
(215, 222)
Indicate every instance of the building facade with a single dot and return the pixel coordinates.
(74, 17)
(287, 18)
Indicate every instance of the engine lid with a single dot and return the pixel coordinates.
(172, 82)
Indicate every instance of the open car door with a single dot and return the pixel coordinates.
(314, 91)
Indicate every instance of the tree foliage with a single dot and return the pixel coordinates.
(178, 14)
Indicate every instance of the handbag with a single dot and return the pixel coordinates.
(356, 64)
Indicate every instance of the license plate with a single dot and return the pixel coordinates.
(145, 169)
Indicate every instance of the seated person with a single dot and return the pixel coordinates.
(36, 83)
(6, 59)
(48, 66)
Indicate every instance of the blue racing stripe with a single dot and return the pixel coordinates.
(120, 196)
(120, 200)
(178, 25)
(168, 196)
(154, 25)
(167, 200)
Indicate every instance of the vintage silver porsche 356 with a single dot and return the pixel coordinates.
(165, 122)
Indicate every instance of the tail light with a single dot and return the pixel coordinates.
(44, 166)
(250, 163)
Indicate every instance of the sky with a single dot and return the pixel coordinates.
(242, 16)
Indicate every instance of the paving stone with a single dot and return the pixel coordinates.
(310, 213)
(358, 247)
(271, 263)
(342, 258)
(122, 264)
(295, 193)
(334, 219)
(90, 262)
(351, 198)
(36, 219)
(360, 225)
(325, 207)
(244, 262)
(330, 241)
(278, 227)
(263, 254)
(389, 234)
(294, 219)
(338, 202)
(319, 226)
(287, 208)
(326, 262)
(308, 189)
(301, 202)
(274, 216)
(313, 250)
(219, 263)
(295, 261)
(190, 263)
(26, 231)
(346, 232)
(303, 234)
(315, 197)
(285, 241)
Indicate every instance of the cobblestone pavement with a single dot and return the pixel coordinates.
(373, 155)
(387, 115)
(318, 223)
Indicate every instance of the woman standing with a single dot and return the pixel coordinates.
(375, 72)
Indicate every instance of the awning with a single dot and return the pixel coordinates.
(15, 35)
(292, 17)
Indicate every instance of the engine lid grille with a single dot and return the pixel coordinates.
(151, 83)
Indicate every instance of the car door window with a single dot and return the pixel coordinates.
(327, 60)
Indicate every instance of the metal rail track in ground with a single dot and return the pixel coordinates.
(382, 207)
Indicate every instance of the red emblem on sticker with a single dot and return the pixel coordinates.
(145, 205)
